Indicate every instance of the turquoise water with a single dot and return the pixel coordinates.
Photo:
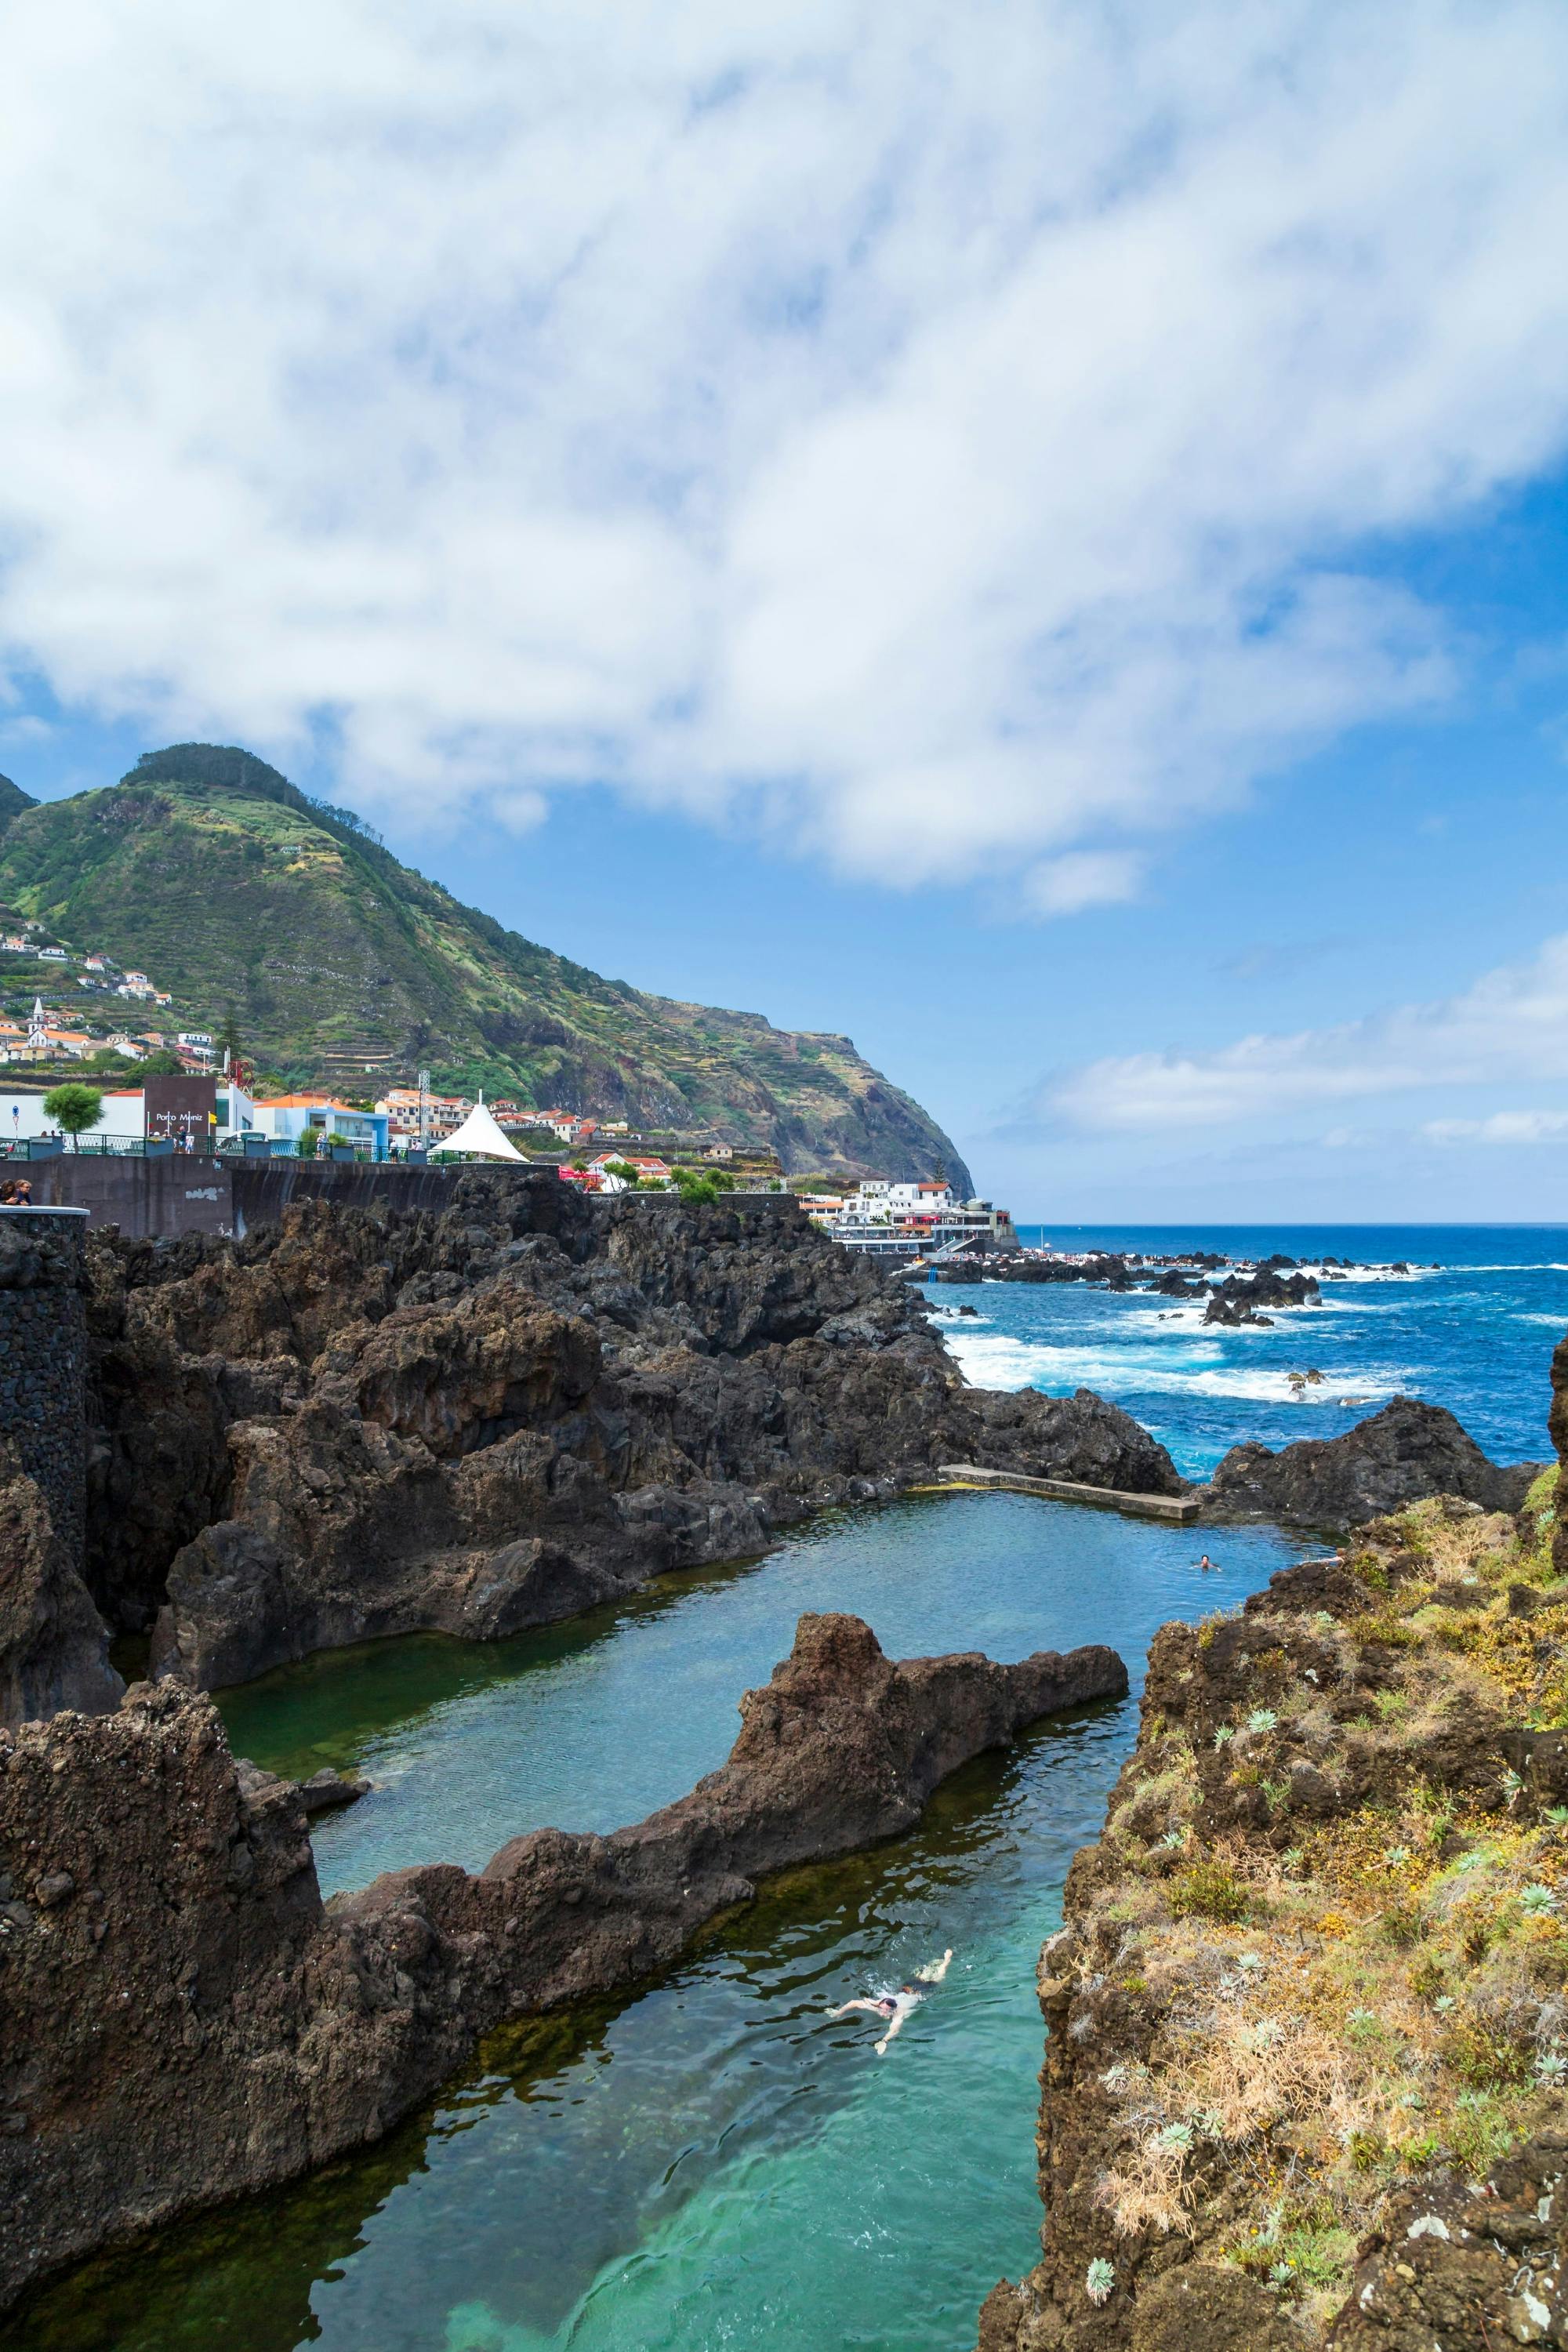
(1476, 1335)
(713, 2163)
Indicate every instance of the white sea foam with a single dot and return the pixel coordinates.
(994, 1360)
(1551, 1322)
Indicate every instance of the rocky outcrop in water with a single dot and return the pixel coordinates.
(369, 1421)
(1240, 1299)
(1304, 2077)
(1408, 1451)
(186, 2021)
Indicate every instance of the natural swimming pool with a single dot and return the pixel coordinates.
(712, 2162)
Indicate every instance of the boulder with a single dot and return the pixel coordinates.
(1404, 1453)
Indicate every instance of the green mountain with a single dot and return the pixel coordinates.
(209, 871)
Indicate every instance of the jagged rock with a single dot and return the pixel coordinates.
(54, 1646)
(1408, 1451)
(1239, 1298)
(374, 1422)
(186, 2021)
(1255, 1729)
(1468, 2264)
(1206, 2308)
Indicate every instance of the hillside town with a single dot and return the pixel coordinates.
(202, 1098)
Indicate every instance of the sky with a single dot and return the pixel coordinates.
(1033, 535)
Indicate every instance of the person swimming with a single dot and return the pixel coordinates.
(895, 2007)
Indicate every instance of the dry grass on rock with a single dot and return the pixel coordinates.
(1334, 1917)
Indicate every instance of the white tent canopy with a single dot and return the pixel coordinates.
(481, 1139)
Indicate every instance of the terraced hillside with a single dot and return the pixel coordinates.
(208, 869)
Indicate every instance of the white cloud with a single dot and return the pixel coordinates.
(1510, 1026)
(1082, 878)
(1503, 1127)
(946, 438)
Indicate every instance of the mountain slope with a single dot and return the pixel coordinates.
(208, 870)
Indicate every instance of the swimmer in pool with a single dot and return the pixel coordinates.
(894, 2007)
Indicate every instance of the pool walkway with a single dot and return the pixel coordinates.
(1177, 1508)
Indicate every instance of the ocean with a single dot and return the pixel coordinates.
(1471, 1326)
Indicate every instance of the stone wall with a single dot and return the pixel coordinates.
(43, 1360)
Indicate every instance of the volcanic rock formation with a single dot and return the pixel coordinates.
(1304, 2082)
(186, 2021)
(1408, 1451)
(375, 1421)
(54, 1651)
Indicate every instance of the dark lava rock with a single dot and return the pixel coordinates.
(208, 2027)
(372, 1421)
(54, 1647)
(1471, 2266)
(1406, 1452)
(1239, 1298)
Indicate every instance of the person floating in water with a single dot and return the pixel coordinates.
(894, 2007)
(1206, 1563)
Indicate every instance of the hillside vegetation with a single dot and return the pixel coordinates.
(208, 869)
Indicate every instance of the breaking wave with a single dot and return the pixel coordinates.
(993, 1359)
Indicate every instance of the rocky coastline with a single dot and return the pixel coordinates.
(489, 1414)
(187, 2022)
(369, 1421)
(1308, 2014)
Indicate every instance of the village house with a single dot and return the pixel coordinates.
(445, 1114)
(568, 1127)
(646, 1171)
(286, 1118)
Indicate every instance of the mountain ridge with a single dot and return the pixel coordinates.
(210, 870)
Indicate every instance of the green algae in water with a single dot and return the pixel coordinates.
(713, 2162)
(652, 2172)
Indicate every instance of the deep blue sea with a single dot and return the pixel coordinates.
(1471, 1326)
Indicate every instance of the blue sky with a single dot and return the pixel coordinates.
(1037, 542)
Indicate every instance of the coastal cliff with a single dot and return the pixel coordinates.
(1308, 2015)
(368, 1422)
(187, 2022)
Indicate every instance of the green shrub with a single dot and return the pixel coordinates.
(1208, 1890)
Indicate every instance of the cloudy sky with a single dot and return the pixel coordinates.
(1033, 533)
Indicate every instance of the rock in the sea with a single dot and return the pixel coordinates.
(186, 2021)
(1240, 1299)
(1403, 1455)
